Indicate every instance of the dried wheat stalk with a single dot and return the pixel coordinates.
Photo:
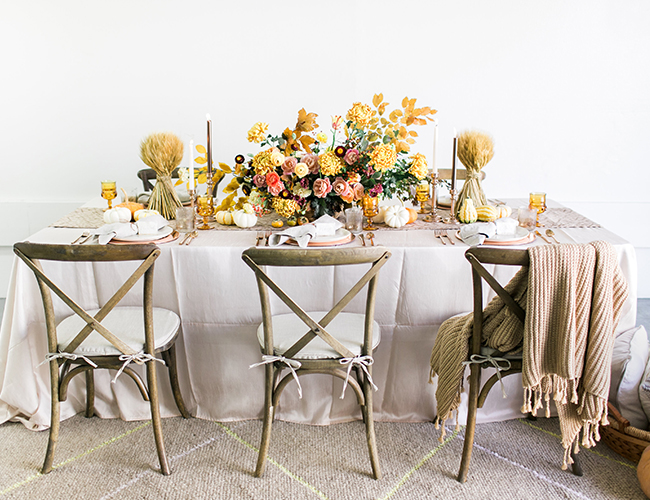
(163, 152)
(475, 150)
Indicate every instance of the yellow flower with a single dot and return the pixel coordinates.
(321, 137)
(330, 164)
(301, 170)
(277, 158)
(285, 208)
(262, 162)
(257, 132)
(383, 157)
(418, 168)
(361, 114)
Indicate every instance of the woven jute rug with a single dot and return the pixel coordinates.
(105, 459)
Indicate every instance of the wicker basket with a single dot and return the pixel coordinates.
(620, 436)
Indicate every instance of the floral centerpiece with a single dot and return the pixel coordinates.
(305, 171)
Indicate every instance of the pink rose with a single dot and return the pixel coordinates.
(321, 187)
(276, 188)
(259, 181)
(312, 163)
(340, 186)
(351, 156)
(347, 195)
(289, 165)
(358, 191)
(272, 178)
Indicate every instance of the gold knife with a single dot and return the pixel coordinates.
(543, 237)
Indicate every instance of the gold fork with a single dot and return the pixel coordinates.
(260, 237)
(438, 234)
(267, 235)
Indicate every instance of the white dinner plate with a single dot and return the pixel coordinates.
(520, 234)
(340, 237)
(162, 233)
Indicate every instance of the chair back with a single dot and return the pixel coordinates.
(256, 258)
(33, 253)
(477, 256)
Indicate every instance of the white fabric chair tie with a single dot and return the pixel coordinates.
(292, 364)
(479, 359)
(139, 357)
(65, 355)
(362, 361)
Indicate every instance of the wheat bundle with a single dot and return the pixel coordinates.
(163, 152)
(475, 150)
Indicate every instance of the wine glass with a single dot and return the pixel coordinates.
(422, 195)
(205, 208)
(537, 201)
(109, 192)
(370, 209)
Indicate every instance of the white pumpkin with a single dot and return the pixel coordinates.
(379, 218)
(224, 217)
(117, 214)
(243, 219)
(396, 216)
(145, 212)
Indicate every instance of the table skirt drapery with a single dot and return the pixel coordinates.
(216, 296)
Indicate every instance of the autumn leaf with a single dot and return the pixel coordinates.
(420, 121)
(225, 168)
(410, 140)
(405, 102)
(410, 120)
(233, 185)
(402, 132)
(201, 149)
(217, 176)
(226, 203)
(200, 160)
(413, 133)
(306, 142)
(376, 100)
(384, 121)
(202, 178)
(395, 114)
(306, 121)
(382, 108)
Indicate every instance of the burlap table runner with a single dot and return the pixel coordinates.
(83, 217)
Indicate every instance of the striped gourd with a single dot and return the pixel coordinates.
(467, 213)
(487, 213)
(504, 211)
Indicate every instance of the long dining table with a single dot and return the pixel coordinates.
(215, 294)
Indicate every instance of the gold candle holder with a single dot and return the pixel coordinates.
(434, 217)
(453, 193)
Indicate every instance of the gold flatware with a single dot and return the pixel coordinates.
(446, 233)
(260, 237)
(184, 239)
(543, 237)
(193, 235)
(551, 234)
(371, 235)
(267, 235)
(363, 239)
(438, 234)
(85, 235)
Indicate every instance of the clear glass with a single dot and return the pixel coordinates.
(184, 219)
(527, 218)
(354, 220)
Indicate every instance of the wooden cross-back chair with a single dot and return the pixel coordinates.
(477, 256)
(107, 338)
(331, 342)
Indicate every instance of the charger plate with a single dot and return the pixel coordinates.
(170, 237)
(521, 237)
(147, 238)
(341, 237)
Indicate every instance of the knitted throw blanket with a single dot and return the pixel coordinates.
(573, 296)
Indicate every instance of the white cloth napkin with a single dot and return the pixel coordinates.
(151, 224)
(475, 234)
(323, 226)
(107, 232)
(506, 225)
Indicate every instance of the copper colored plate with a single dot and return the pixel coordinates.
(523, 241)
(343, 241)
(172, 237)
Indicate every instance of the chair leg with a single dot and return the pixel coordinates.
(169, 356)
(54, 419)
(152, 382)
(576, 468)
(269, 413)
(471, 423)
(370, 429)
(90, 393)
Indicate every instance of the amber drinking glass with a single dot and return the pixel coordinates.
(370, 209)
(205, 208)
(537, 201)
(422, 196)
(109, 192)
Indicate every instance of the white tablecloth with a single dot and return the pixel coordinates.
(216, 296)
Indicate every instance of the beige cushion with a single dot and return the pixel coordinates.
(347, 328)
(126, 323)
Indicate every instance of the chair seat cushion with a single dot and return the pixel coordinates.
(347, 328)
(126, 323)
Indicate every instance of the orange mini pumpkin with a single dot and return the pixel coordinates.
(413, 215)
(131, 205)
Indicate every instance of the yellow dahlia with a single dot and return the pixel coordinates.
(285, 208)
(262, 162)
(330, 164)
(257, 132)
(419, 166)
(383, 157)
(361, 114)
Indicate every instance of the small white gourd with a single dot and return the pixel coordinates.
(243, 219)
(145, 212)
(224, 217)
(396, 216)
(117, 214)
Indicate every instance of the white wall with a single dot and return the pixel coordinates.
(562, 86)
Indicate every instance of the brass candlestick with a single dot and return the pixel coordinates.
(453, 193)
(434, 217)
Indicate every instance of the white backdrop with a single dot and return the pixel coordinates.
(561, 86)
